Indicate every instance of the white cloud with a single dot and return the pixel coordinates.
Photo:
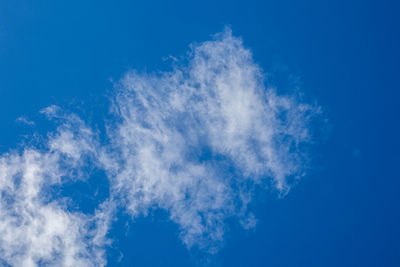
(196, 140)
(36, 229)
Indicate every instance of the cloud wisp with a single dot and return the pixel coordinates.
(195, 141)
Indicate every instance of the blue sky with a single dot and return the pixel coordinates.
(212, 133)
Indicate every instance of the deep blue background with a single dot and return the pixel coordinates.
(344, 54)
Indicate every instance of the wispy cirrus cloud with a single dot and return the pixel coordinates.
(195, 141)
(37, 229)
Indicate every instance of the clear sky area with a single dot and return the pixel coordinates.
(200, 133)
